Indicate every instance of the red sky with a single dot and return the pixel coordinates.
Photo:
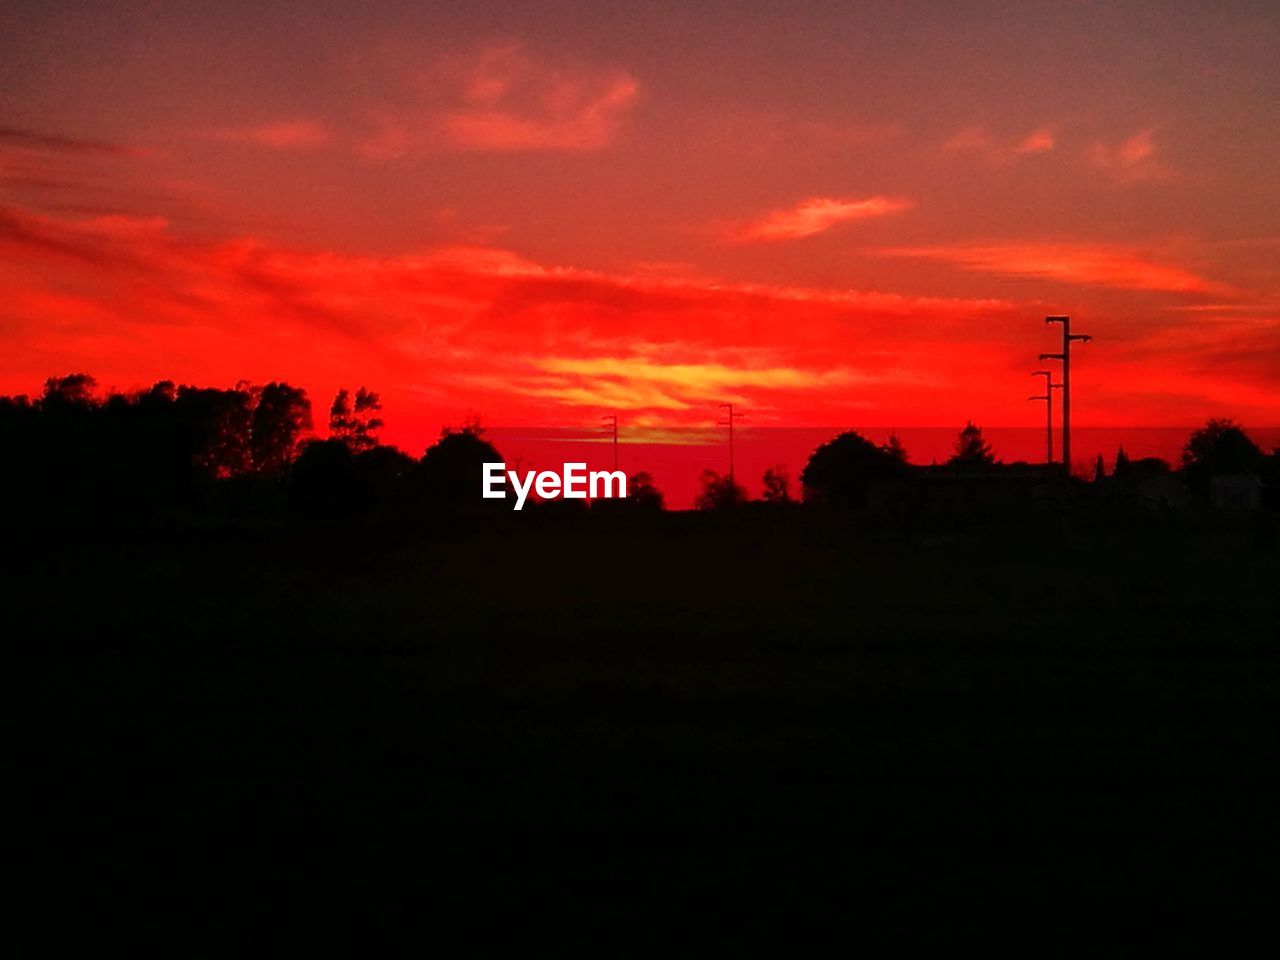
(829, 213)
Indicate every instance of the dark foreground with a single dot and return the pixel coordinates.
(1039, 734)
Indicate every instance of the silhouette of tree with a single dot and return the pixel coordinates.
(894, 448)
(1122, 463)
(840, 471)
(356, 425)
(971, 449)
(216, 425)
(10, 406)
(1099, 470)
(340, 415)
(451, 470)
(777, 484)
(643, 494)
(1221, 446)
(384, 472)
(1148, 466)
(328, 477)
(161, 392)
(324, 478)
(281, 417)
(718, 491)
(73, 391)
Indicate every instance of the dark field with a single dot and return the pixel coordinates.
(1047, 734)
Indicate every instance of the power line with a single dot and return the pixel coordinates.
(613, 418)
(1068, 338)
(728, 422)
(1049, 387)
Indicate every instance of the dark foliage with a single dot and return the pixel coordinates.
(718, 491)
(777, 484)
(972, 450)
(356, 424)
(643, 493)
(128, 458)
(281, 416)
(449, 474)
(1219, 448)
(74, 456)
(840, 472)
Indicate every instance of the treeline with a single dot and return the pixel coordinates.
(71, 452)
(250, 449)
(253, 449)
(1220, 466)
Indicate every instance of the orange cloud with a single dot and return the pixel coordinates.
(286, 135)
(1039, 141)
(641, 381)
(817, 215)
(1096, 265)
(977, 141)
(450, 330)
(502, 98)
(1130, 161)
(484, 327)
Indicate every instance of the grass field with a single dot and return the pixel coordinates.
(1047, 733)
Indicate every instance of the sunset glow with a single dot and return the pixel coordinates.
(845, 214)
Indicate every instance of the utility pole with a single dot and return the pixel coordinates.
(1065, 356)
(1049, 387)
(728, 422)
(613, 419)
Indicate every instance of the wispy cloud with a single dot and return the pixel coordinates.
(1001, 150)
(640, 381)
(1092, 264)
(503, 98)
(136, 298)
(1131, 160)
(1038, 141)
(53, 143)
(481, 327)
(283, 135)
(815, 215)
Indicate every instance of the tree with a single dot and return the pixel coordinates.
(643, 494)
(324, 478)
(718, 491)
(341, 421)
(281, 417)
(894, 448)
(1221, 446)
(1099, 470)
(971, 449)
(73, 391)
(356, 424)
(777, 484)
(216, 427)
(841, 471)
(328, 477)
(450, 472)
(1122, 463)
(383, 468)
